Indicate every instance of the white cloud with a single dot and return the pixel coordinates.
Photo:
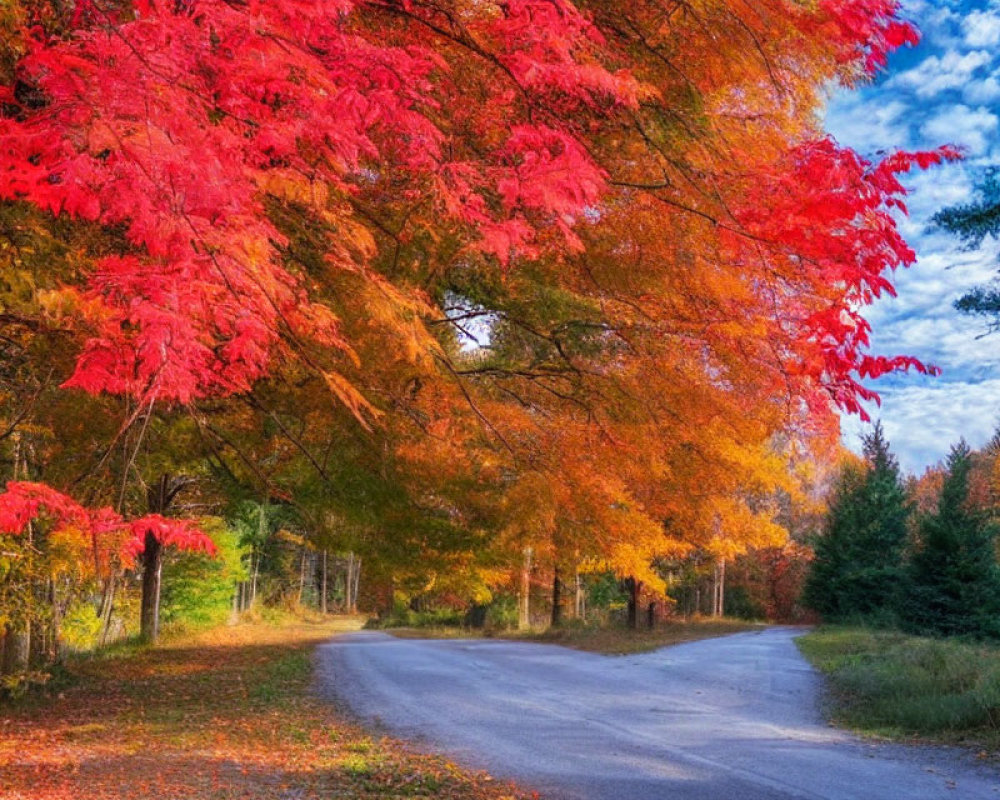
(937, 21)
(923, 422)
(936, 74)
(885, 127)
(941, 185)
(950, 93)
(982, 29)
(984, 91)
(973, 128)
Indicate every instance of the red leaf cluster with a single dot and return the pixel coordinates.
(869, 29)
(102, 529)
(177, 121)
(829, 210)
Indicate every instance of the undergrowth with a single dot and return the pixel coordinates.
(892, 684)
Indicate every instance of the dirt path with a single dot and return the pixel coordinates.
(734, 718)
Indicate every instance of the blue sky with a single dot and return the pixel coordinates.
(945, 90)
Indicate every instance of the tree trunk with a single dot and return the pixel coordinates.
(722, 588)
(302, 576)
(53, 653)
(322, 583)
(158, 500)
(632, 586)
(524, 599)
(107, 608)
(353, 608)
(719, 589)
(349, 601)
(580, 600)
(556, 599)
(152, 571)
(234, 611)
(17, 650)
(255, 560)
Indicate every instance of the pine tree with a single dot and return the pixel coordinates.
(952, 582)
(858, 564)
(973, 223)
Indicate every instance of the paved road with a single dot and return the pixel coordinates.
(722, 719)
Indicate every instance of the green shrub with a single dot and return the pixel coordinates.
(741, 605)
(198, 589)
(80, 627)
(502, 613)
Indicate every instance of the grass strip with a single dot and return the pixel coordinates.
(595, 639)
(889, 684)
(223, 715)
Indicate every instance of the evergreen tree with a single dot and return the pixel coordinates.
(858, 563)
(973, 222)
(952, 581)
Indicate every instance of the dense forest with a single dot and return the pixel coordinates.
(510, 311)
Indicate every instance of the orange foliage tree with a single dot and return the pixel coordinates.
(310, 207)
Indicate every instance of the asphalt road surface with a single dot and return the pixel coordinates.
(734, 718)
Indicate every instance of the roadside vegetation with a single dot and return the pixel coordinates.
(622, 641)
(906, 576)
(888, 683)
(611, 640)
(223, 714)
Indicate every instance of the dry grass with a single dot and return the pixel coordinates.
(608, 640)
(621, 641)
(223, 715)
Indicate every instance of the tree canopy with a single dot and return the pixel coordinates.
(456, 277)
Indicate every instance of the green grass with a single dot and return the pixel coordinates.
(889, 684)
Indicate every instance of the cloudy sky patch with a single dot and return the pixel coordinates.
(944, 91)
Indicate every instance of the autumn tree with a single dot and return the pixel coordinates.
(67, 548)
(307, 205)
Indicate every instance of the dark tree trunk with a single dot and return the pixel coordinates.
(158, 500)
(632, 586)
(52, 653)
(17, 650)
(152, 569)
(556, 599)
(107, 608)
(322, 591)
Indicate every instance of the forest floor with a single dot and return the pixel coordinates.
(222, 715)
